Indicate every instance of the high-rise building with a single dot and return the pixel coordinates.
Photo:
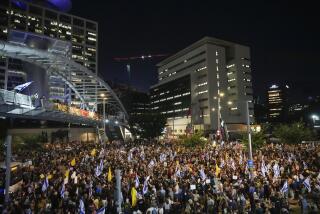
(277, 102)
(47, 20)
(135, 102)
(209, 77)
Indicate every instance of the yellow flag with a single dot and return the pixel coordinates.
(217, 170)
(93, 152)
(133, 197)
(66, 174)
(49, 176)
(177, 163)
(109, 175)
(73, 162)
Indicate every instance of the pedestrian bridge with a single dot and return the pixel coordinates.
(56, 61)
(16, 105)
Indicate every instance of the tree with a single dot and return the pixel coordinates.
(193, 140)
(293, 133)
(148, 125)
(257, 140)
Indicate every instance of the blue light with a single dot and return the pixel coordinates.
(20, 4)
(61, 5)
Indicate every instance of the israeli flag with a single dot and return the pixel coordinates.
(145, 186)
(233, 166)
(305, 165)
(81, 207)
(98, 171)
(22, 86)
(163, 157)
(306, 183)
(45, 185)
(264, 169)
(101, 165)
(137, 183)
(102, 210)
(151, 164)
(178, 173)
(130, 157)
(276, 170)
(285, 187)
(62, 191)
(202, 175)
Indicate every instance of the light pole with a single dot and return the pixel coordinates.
(104, 111)
(219, 112)
(249, 139)
(314, 118)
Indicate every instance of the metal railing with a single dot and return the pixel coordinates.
(14, 98)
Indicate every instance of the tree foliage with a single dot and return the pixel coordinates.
(257, 140)
(148, 125)
(293, 133)
(193, 140)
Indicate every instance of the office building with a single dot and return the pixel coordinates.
(46, 20)
(277, 102)
(209, 77)
(134, 101)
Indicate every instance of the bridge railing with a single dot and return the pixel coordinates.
(74, 111)
(14, 98)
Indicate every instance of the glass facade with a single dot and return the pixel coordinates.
(29, 17)
(173, 98)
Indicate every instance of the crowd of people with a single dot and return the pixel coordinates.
(165, 177)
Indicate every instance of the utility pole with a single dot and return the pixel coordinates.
(8, 166)
(118, 190)
(250, 164)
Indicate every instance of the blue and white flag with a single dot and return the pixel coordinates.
(163, 157)
(305, 166)
(178, 172)
(22, 86)
(62, 191)
(202, 175)
(151, 164)
(45, 185)
(130, 157)
(276, 170)
(145, 186)
(97, 171)
(101, 165)
(264, 169)
(102, 210)
(137, 182)
(306, 183)
(81, 207)
(285, 187)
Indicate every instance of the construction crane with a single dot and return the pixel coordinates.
(143, 57)
(130, 59)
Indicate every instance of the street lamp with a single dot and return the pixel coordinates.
(249, 139)
(104, 110)
(221, 94)
(314, 118)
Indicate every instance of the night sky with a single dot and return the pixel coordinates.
(283, 36)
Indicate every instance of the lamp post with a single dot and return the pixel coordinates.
(219, 112)
(314, 118)
(249, 139)
(104, 111)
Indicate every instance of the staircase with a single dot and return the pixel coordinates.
(101, 135)
(113, 132)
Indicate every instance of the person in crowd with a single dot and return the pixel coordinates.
(165, 177)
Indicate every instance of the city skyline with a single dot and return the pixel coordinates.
(282, 36)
